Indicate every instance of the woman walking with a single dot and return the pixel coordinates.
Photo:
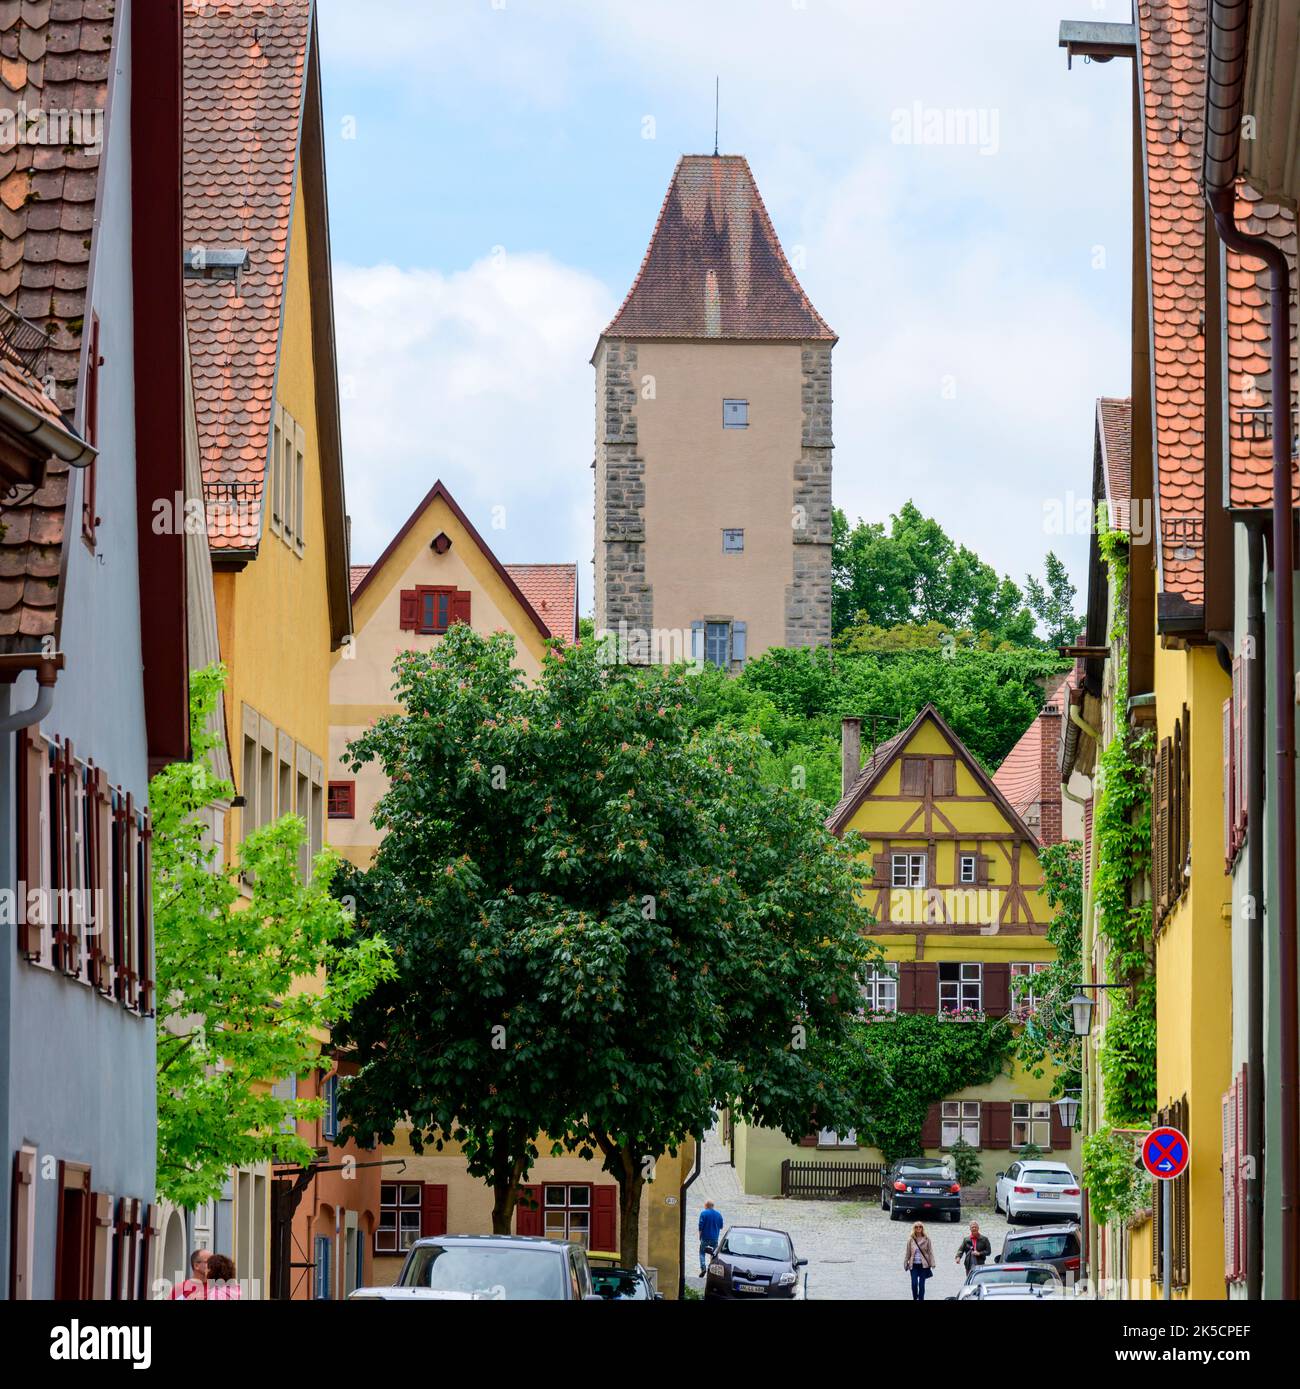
(222, 1285)
(918, 1260)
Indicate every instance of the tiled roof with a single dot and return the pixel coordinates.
(54, 55)
(875, 764)
(1249, 333)
(356, 573)
(552, 589)
(714, 267)
(1020, 777)
(1116, 420)
(1172, 44)
(244, 71)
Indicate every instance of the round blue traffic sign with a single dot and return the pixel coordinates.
(1165, 1153)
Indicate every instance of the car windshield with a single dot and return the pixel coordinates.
(1047, 1176)
(937, 1173)
(755, 1244)
(994, 1274)
(923, 1165)
(616, 1284)
(1029, 1248)
(487, 1271)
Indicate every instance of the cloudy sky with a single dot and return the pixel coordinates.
(496, 167)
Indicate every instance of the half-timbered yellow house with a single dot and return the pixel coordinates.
(960, 912)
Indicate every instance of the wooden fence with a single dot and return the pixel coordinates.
(832, 1181)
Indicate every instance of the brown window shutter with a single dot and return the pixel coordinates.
(1185, 801)
(931, 1129)
(31, 775)
(528, 1211)
(1229, 782)
(1160, 828)
(880, 869)
(433, 1209)
(1061, 1133)
(983, 868)
(927, 987)
(913, 776)
(986, 1125)
(460, 603)
(907, 986)
(410, 613)
(999, 1112)
(997, 989)
(945, 776)
(144, 925)
(1241, 758)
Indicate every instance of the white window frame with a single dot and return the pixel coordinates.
(959, 1119)
(914, 870)
(967, 869)
(1020, 969)
(404, 1233)
(880, 990)
(828, 1138)
(1029, 1120)
(964, 992)
(567, 1218)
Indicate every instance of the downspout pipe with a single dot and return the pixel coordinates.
(47, 672)
(1226, 82)
(1255, 923)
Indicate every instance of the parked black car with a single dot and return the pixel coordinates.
(921, 1185)
(751, 1262)
(1057, 1245)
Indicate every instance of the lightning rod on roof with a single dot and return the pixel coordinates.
(716, 85)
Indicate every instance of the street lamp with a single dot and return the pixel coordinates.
(1068, 1108)
(1081, 1007)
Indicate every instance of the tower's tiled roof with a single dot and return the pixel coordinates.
(55, 55)
(1172, 45)
(714, 267)
(244, 73)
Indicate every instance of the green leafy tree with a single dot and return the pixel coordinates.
(234, 1015)
(1047, 1037)
(1052, 603)
(606, 922)
(966, 1163)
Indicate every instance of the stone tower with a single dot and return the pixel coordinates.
(713, 436)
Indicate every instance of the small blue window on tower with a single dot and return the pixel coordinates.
(733, 542)
(735, 414)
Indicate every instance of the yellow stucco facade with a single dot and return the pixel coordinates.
(928, 811)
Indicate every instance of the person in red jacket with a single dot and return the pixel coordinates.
(194, 1288)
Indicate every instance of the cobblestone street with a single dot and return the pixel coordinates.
(853, 1248)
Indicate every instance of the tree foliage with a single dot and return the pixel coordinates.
(247, 985)
(605, 921)
(1052, 603)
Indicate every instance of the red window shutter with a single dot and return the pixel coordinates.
(945, 776)
(999, 1112)
(433, 1209)
(1241, 758)
(31, 775)
(1240, 1156)
(927, 987)
(1228, 1151)
(931, 1130)
(460, 601)
(1229, 782)
(604, 1218)
(997, 989)
(410, 615)
(528, 1211)
(1062, 1134)
(907, 986)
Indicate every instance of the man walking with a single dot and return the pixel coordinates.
(975, 1248)
(710, 1228)
(194, 1289)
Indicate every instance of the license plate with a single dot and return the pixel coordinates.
(1047, 1196)
(933, 1190)
(750, 1288)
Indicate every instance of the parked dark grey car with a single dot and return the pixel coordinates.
(921, 1186)
(493, 1268)
(1057, 1245)
(752, 1263)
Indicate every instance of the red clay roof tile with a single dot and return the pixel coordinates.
(552, 589)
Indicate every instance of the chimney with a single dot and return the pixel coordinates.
(850, 753)
(1049, 806)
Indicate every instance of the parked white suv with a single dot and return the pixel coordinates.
(1032, 1188)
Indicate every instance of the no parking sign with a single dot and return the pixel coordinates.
(1166, 1153)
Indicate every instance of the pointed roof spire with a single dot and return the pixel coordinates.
(714, 268)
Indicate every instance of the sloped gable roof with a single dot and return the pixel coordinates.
(888, 753)
(439, 493)
(1172, 87)
(552, 589)
(55, 55)
(714, 267)
(1114, 424)
(245, 73)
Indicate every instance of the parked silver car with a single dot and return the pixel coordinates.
(491, 1268)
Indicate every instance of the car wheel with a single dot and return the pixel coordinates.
(954, 1217)
(997, 1209)
(884, 1204)
(893, 1213)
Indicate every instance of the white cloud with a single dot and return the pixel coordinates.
(480, 378)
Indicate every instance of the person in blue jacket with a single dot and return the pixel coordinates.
(711, 1223)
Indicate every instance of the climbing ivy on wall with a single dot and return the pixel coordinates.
(1122, 839)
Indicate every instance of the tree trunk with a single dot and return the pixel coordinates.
(507, 1177)
(630, 1183)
